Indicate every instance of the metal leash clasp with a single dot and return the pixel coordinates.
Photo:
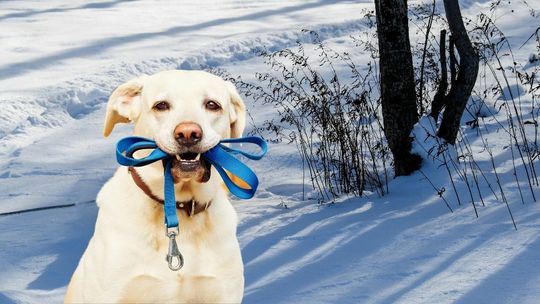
(173, 253)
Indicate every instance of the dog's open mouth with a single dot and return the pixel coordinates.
(188, 161)
(190, 165)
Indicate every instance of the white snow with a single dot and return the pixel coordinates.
(59, 60)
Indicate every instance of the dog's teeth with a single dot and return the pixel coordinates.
(198, 157)
(178, 157)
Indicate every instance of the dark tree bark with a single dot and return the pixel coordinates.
(461, 89)
(439, 99)
(423, 64)
(398, 94)
(453, 60)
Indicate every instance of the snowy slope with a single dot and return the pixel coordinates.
(59, 60)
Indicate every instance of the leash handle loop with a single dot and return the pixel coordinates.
(222, 161)
(220, 156)
(129, 145)
(250, 140)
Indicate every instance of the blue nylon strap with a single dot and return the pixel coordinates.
(219, 156)
(222, 161)
(169, 203)
(133, 143)
(249, 140)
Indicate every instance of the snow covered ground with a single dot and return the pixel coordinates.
(59, 60)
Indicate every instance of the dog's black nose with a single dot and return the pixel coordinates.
(188, 133)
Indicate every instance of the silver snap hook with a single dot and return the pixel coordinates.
(174, 257)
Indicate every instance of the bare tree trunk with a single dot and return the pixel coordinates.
(453, 60)
(397, 83)
(468, 70)
(439, 99)
(423, 64)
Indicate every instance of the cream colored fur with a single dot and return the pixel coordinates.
(125, 259)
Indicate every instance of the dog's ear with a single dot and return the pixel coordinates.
(124, 105)
(237, 116)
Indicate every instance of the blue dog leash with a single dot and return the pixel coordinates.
(220, 156)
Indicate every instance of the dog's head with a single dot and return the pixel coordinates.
(185, 112)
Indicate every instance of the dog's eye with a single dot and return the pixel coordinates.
(161, 106)
(212, 105)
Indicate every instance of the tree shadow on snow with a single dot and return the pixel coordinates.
(68, 250)
(20, 68)
(277, 260)
(392, 245)
(94, 5)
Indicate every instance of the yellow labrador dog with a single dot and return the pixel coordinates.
(186, 113)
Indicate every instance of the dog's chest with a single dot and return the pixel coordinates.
(202, 278)
(180, 287)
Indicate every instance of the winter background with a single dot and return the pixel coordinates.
(59, 61)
